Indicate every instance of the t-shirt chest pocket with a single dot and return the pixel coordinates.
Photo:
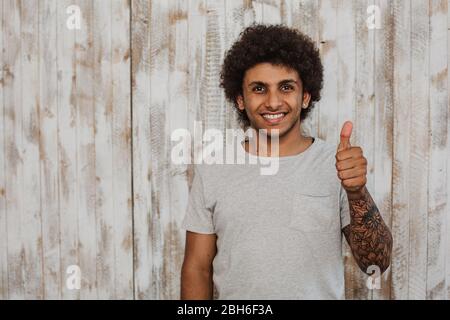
(315, 211)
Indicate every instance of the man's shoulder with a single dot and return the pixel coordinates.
(210, 171)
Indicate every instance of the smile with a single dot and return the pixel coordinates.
(274, 117)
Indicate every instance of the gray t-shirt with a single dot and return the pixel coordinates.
(278, 236)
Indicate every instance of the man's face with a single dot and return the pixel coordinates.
(273, 97)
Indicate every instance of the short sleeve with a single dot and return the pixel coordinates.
(198, 218)
(344, 207)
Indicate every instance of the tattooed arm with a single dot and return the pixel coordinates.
(368, 236)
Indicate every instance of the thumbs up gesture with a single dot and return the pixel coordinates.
(350, 163)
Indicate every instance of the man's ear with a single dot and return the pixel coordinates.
(306, 99)
(240, 102)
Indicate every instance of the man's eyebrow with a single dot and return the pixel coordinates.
(261, 83)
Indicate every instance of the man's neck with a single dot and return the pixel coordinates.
(291, 143)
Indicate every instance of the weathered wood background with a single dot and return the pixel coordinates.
(86, 116)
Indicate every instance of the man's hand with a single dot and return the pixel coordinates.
(350, 163)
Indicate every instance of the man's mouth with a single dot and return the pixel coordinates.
(274, 117)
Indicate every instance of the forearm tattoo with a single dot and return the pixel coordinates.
(368, 236)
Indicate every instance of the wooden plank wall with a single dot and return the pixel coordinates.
(66, 150)
(86, 117)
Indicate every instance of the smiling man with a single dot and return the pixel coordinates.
(251, 236)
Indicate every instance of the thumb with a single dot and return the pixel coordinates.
(346, 132)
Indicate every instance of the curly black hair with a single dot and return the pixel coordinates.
(278, 45)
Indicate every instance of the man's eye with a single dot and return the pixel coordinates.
(258, 89)
(287, 88)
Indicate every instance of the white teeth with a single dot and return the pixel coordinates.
(273, 116)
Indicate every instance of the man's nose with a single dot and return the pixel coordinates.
(273, 100)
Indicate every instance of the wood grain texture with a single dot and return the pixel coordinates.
(86, 116)
(121, 130)
(104, 160)
(383, 106)
(85, 156)
(153, 70)
(142, 172)
(158, 104)
(112, 149)
(238, 15)
(328, 126)
(31, 222)
(304, 18)
(48, 80)
(14, 166)
(447, 230)
(212, 99)
(353, 83)
(3, 221)
(438, 153)
(419, 146)
(67, 151)
(356, 103)
(177, 115)
(55, 171)
(401, 231)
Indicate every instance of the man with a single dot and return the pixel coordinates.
(251, 236)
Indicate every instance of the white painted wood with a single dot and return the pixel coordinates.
(159, 133)
(142, 169)
(177, 116)
(447, 230)
(271, 12)
(238, 15)
(402, 210)
(212, 99)
(154, 40)
(103, 105)
(419, 144)
(85, 159)
(3, 221)
(31, 220)
(382, 133)
(48, 128)
(121, 149)
(328, 111)
(360, 88)
(14, 166)
(67, 149)
(438, 152)
(304, 18)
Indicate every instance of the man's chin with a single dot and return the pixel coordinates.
(275, 132)
(271, 132)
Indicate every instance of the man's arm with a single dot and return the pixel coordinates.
(196, 273)
(368, 236)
